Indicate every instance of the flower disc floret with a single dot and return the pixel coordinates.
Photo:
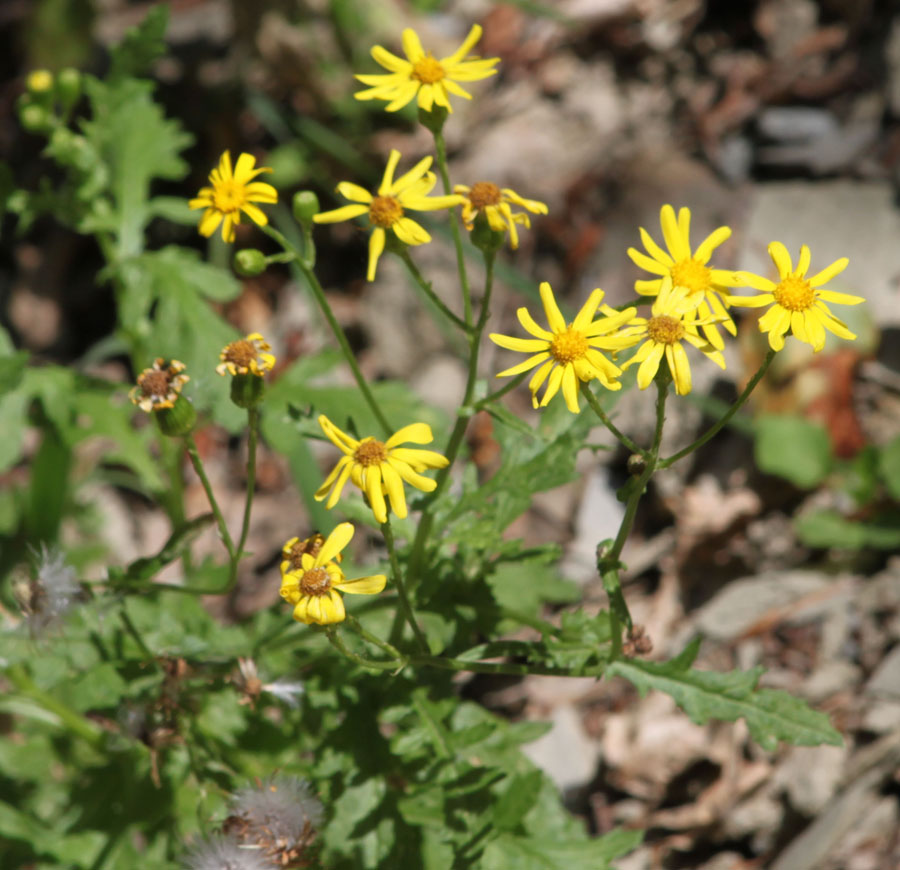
(159, 386)
(231, 192)
(314, 587)
(797, 302)
(293, 550)
(387, 207)
(568, 352)
(422, 76)
(380, 469)
(673, 320)
(485, 197)
(248, 355)
(690, 270)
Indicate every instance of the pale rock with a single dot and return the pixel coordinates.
(810, 775)
(886, 679)
(565, 753)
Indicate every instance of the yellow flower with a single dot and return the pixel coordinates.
(799, 302)
(386, 208)
(231, 193)
(246, 355)
(673, 320)
(568, 352)
(379, 469)
(422, 75)
(313, 588)
(158, 387)
(294, 549)
(483, 196)
(691, 271)
(39, 81)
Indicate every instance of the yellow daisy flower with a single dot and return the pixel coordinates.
(246, 355)
(232, 192)
(691, 271)
(379, 469)
(567, 353)
(672, 321)
(159, 387)
(313, 588)
(386, 208)
(424, 77)
(483, 196)
(798, 302)
(294, 549)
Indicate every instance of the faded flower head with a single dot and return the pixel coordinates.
(231, 192)
(159, 386)
(51, 593)
(224, 853)
(279, 817)
(248, 355)
(495, 203)
(423, 77)
(250, 684)
(294, 549)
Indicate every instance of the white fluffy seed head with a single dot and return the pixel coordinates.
(52, 592)
(287, 691)
(282, 811)
(223, 853)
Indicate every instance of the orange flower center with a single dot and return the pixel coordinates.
(229, 196)
(427, 70)
(315, 582)
(294, 553)
(795, 294)
(370, 452)
(665, 329)
(568, 346)
(385, 211)
(154, 383)
(484, 193)
(241, 353)
(691, 274)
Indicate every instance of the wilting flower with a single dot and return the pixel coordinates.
(568, 353)
(224, 853)
(51, 593)
(294, 549)
(232, 192)
(669, 325)
(423, 76)
(691, 271)
(798, 302)
(248, 355)
(494, 202)
(313, 589)
(386, 209)
(280, 817)
(379, 468)
(159, 386)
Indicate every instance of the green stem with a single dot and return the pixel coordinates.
(604, 419)
(74, 722)
(716, 427)
(306, 267)
(459, 429)
(441, 148)
(425, 287)
(131, 628)
(197, 462)
(405, 604)
(390, 649)
(339, 645)
(481, 404)
(253, 425)
(511, 668)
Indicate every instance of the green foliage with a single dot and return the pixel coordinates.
(771, 715)
(792, 448)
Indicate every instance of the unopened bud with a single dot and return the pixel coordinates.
(247, 391)
(68, 87)
(178, 420)
(249, 262)
(34, 118)
(305, 205)
(39, 82)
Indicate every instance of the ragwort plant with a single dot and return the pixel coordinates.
(331, 734)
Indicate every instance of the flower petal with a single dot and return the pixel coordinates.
(829, 272)
(675, 242)
(524, 345)
(570, 388)
(409, 232)
(387, 179)
(340, 536)
(551, 309)
(649, 367)
(530, 363)
(710, 243)
(390, 61)
(331, 608)
(530, 326)
(376, 247)
(364, 585)
(394, 486)
(412, 47)
(781, 258)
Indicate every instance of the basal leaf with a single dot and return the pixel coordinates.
(792, 448)
(771, 715)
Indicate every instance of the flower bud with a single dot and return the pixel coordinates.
(247, 391)
(34, 118)
(305, 205)
(39, 83)
(68, 87)
(250, 262)
(178, 420)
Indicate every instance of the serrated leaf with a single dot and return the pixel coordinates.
(517, 799)
(770, 715)
(141, 45)
(792, 448)
(508, 852)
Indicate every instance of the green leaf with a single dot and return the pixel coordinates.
(517, 799)
(12, 368)
(101, 688)
(771, 715)
(889, 463)
(525, 585)
(829, 529)
(141, 44)
(508, 852)
(793, 448)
